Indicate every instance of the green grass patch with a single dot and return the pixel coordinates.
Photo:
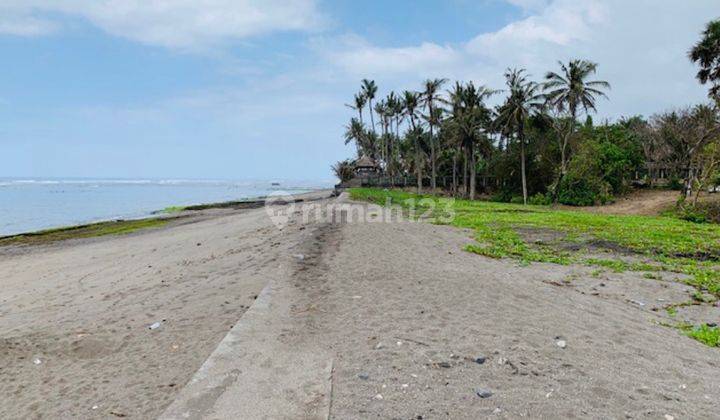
(172, 209)
(670, 244)
(707, 335)
(118, 227)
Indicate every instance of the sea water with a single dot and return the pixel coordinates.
(33, 204)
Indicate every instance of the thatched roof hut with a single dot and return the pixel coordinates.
(366, 166)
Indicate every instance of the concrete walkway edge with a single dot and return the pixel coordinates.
(255, 374)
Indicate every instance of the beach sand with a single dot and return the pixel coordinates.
(75, 340)
(399, 310)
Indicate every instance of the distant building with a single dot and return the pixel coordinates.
(366, 167)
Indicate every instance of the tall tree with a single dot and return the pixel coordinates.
(394, 114)
(369, 90)
(411, 101)
(355, 133)
(430, 98)
(455, 100)
(706, 53)
(686, 133)
(471, 119)
(570, 91)
(382, 111)
(358, 105)
(524, 99)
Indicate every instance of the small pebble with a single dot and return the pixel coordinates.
(561, 343)
(483, 393)
(379, 397)
(480, 360)
(364, 376)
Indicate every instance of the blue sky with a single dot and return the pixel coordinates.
(240, 89)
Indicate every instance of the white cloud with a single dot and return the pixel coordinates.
(357, 57)
(641, 47)
(559, 23)
(169, 23)
(26, 26)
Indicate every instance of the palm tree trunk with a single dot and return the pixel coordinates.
(433, 181)
(418, 165)
(465, 171)
(521, 136)
(372, 120)
(454, 174)
(472, 172)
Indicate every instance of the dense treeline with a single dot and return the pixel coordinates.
(540, 144)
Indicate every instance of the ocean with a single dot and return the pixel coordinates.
(28, 205)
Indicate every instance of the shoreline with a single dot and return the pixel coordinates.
(110, 226)
(115, 327)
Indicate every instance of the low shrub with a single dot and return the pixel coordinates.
(702, 212)
(540, 199)
(502, 196)
(675, 183)
(575, 191)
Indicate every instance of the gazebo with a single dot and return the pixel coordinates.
(365, 167)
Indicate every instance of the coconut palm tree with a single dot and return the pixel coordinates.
(359, 104)
(355, 133)
(706, 53)
(430, 98)
(524, 99)
(393, 111)
(570, 91)
(411, 101)
(344, 170)
(399, 112)
(369, 90)
(454, 100)
(383, 113)
(471, 120)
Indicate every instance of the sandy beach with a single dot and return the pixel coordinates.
(75, 315)
(407, 324)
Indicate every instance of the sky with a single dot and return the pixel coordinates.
(255, 89)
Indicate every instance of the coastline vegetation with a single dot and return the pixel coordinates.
(534, 141)
(636, 243)
(115, 227)
(172, 209)
(709, 336)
